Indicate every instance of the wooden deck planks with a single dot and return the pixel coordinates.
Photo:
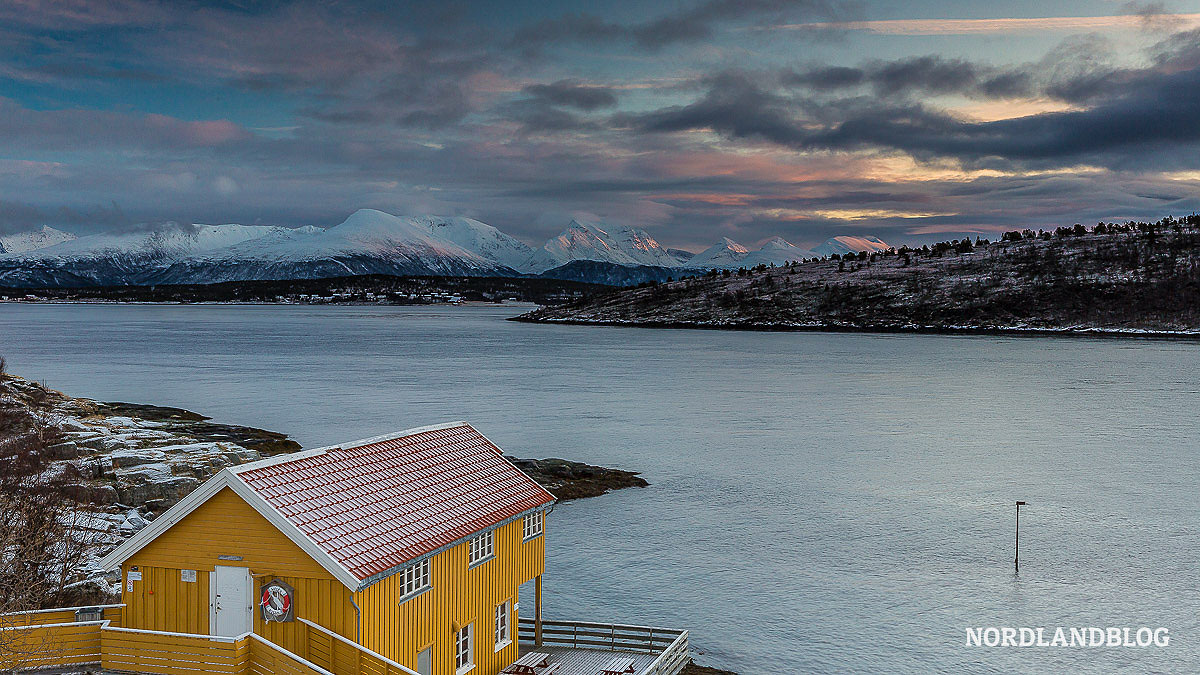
(588, 661)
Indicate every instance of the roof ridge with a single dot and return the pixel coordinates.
(316, 452)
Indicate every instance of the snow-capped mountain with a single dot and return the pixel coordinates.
(847, 244)
(23, 242)
(117, 258)
(368, 242)
(480, 238)
(777, 251)
(605, 243)
(724, 254)
(165, 242)
(728, 254)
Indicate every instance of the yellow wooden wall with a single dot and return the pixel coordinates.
(226, 525)
(458, 596)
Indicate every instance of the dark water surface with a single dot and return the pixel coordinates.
(827, 502)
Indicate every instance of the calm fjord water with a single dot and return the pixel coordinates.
(824, 502)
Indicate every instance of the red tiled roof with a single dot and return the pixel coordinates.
(375, 506)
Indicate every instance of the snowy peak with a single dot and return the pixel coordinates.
(728, 254)
(777, 251)
(375, 228)
(616, 244)
(728, 244)
(23, 242)
(482, 239)
(723, 254)
(776, 244)
(850, 244)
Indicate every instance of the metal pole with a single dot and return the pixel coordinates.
(1017, 546)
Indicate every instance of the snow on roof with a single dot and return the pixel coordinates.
(374, 505)
(364, 510)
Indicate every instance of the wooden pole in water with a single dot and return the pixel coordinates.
(537, 612)
(1017, 547)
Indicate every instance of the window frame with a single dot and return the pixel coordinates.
(533, 525)
(502, 618)
(481, 548)
(464, 660)
(415, 580)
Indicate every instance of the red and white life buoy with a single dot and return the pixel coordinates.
(276, 601)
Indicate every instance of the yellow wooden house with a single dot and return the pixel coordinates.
(412, 545)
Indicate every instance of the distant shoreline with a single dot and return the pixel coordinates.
(263, 303)
(1012, 331)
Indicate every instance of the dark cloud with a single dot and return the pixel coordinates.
(1154, 109)
(23, 217)
(927, 73)
(826, 77)
(573, 94)
(549, 107)
(917, 75)
(691, 24)
(19, 217)
(736, 104)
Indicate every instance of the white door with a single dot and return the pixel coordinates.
(232, 601)
(424, 662)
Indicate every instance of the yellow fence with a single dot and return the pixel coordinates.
(334, 653)
(49, 644)
(268, 658)
(143, 651)
(42, 639)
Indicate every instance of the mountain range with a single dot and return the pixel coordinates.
(369, 242)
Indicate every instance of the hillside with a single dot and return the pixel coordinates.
(1133, 277)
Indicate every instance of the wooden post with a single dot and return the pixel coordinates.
(537, 612)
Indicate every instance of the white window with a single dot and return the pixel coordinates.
(502, 637)
(482, 547)
(534, 524)
(415, 577)
(464, 659)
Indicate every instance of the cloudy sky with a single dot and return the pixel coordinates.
(914, 120)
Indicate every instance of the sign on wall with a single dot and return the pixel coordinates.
(278, 601)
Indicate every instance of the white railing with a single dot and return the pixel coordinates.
(673, 658)
(670, 645)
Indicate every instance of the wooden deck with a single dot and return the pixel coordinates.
(589, 661)
(583, 648)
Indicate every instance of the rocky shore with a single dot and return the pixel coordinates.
(576, 480)
(693, 669)
(1137, 280)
